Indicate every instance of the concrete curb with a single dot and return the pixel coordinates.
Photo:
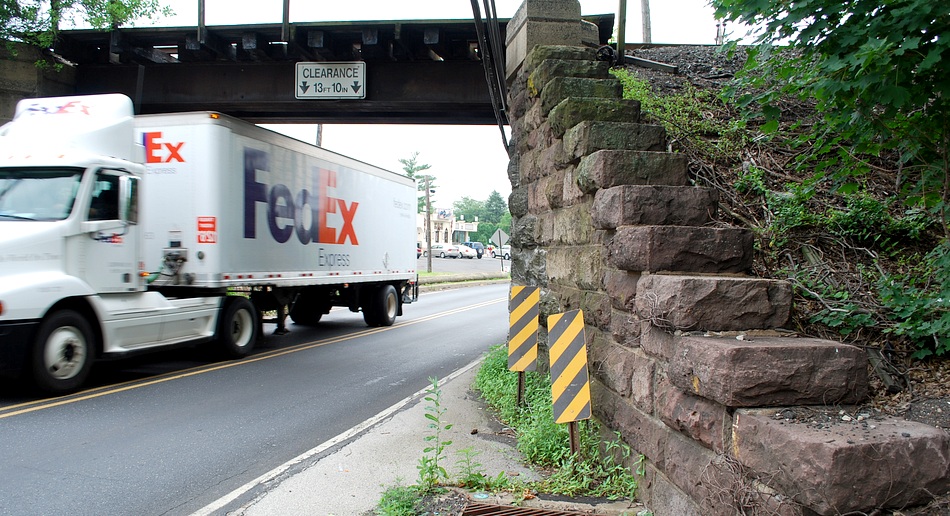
(469, 276)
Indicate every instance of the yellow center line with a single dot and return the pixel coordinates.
(33, 406)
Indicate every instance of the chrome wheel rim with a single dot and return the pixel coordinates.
(65, 353)
(242, 328)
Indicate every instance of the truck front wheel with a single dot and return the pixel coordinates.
(237, 328)
(62, 353)
(382, 307)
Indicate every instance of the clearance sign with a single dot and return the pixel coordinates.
(331, 81)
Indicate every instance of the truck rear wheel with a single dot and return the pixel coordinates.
(237, 328)
(381, 307)
(62, 353)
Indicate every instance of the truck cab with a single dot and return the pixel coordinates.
(71, 286)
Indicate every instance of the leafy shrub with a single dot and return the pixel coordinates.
(789, 210)
(751, 181)
(868, 222)
(919, 302)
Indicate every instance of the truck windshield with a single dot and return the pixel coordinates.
(38, 194)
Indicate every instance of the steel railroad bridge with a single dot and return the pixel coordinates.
(417, 71)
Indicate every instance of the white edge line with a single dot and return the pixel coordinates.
(274, 473)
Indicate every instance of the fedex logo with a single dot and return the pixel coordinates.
(73, 107)
(160, 151)
(304, 213)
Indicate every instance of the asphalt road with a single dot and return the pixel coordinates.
(171, 433)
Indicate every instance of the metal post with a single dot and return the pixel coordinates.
(201, 22)
(520, 389)
(428, 229)
(575, 439)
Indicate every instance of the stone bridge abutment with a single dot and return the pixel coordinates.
(688, 360)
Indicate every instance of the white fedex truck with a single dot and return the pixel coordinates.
(122, 233)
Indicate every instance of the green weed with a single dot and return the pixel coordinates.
(399, 501)
(472, 474)
(430, 468)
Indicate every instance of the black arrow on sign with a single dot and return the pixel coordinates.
(304, 87)
(356, 87)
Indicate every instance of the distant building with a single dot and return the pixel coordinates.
(444, 227)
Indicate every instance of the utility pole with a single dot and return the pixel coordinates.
(285, 23)
(621, 32)
(428, 229)
(647, 36)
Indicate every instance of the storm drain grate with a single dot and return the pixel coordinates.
(484, 509)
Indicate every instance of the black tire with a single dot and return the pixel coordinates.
(305, 312)
(507, 256)
(369, 313)
(62, 352)
(381, 307)
(237, 327)
(441, 255)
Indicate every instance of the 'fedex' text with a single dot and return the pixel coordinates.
(289, 213)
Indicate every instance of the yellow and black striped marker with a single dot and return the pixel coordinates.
(570, 382)
(523, 328)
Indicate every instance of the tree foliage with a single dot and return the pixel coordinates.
(874, 68)
(37, 22)
(412, 167)
(495, 207)
(491, 215)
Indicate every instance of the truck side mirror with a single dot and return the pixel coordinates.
(129, 199)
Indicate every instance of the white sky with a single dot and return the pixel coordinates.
(467, 161)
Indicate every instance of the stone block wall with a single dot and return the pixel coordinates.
(687, 358)
(21, 78)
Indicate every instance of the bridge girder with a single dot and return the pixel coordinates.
(450, 92)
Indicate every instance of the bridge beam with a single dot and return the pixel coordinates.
(425, 92)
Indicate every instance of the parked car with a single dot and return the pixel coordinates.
(504, 252)
(478, 247)
(418, 249)
(445, 250)
(467, 252)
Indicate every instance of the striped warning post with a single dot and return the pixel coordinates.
(570, 382)
(523, 328)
